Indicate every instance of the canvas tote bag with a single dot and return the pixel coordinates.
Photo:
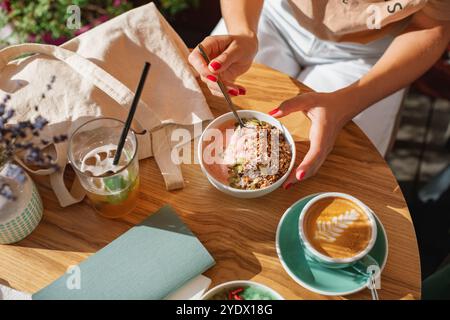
(95, 75)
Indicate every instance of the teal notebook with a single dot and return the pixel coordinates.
(149, 261)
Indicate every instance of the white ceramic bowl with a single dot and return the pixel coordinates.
(241, 283)
(238, 192)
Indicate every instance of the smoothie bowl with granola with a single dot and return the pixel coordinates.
(250, 161)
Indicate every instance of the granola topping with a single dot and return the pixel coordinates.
(256, 155)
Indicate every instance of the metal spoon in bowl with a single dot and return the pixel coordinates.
(222, 88)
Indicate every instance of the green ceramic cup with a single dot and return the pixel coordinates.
(19, 218)
(359, 260)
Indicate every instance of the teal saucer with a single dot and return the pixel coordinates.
(312, 275)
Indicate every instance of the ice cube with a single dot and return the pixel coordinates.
(111, 153)
(91, 161)
(102, 155)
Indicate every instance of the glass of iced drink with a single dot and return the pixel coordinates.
(112, 189)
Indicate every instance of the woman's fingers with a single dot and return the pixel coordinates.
(230, 57)
(199, 64)
(225, 59)
(232, 88)
(299, 103)
(327, 114)
(321, 143)
(220, 50)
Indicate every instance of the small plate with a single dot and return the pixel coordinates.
(311, 275)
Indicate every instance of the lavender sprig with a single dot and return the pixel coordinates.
(6, 192)
(18, 138)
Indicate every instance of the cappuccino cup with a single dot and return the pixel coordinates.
(337, 230)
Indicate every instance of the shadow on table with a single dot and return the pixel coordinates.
(235, 250)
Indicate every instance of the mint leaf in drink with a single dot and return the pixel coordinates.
(118, 186)
(115, 183)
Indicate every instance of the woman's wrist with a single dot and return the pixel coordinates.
(242, 16)
(244, 32)
(353, 99)
(248, 41)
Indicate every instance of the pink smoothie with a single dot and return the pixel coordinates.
(219, 170)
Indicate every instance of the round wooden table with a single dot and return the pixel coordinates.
(239, 233)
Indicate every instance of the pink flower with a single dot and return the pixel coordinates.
(48, 38)
(88, 27)
(32, 38)
(101, 19)
(83, 29)
(6, 5)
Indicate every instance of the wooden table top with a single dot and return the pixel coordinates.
(239, 233)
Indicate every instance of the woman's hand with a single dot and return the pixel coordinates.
(231, 56)
(328, 113)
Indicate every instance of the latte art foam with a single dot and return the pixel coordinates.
(337, 227)
(330, 231)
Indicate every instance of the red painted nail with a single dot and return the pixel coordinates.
(274, 111)
(242, 91)
(212, 78)
(302, 175)
(215, 65)
(233, 92)
(288, 186)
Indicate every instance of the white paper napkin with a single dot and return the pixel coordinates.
(7, 293)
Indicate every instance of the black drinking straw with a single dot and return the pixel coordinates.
(131, 113)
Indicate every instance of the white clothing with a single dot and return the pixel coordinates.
(324, 66)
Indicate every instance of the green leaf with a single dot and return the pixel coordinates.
(115, 183)
(173, 7)
(39, 17)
